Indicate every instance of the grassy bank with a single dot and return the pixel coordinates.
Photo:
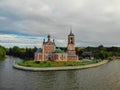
(55, 64)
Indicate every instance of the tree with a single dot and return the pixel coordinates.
(24, 53)
(2, 52)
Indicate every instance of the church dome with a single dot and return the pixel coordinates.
(59, 51)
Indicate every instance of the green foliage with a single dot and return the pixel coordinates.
(2, 52)
(99, 52)
(24, 53)
(37, 62)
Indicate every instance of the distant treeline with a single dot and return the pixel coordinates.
(99, 52)
(2, 52)
(23, 53)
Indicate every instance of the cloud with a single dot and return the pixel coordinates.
(94, 22)
(10, 40)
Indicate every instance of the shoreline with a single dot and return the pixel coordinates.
(16, 66)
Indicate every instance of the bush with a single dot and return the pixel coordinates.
(37, 62)
(69, 65)
(45, 62)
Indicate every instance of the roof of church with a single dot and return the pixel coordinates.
(70, 54)
(59, 51)
(38, 51)
(48, 43)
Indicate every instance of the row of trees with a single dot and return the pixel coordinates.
(99, 52)
(24, 53)
(2, 52)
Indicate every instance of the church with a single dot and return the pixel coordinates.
(49, 52)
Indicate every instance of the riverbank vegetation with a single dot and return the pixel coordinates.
(27, 63)
(99, 52)
(2, 53)
(23, 53)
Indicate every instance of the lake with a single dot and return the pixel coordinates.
(105, 77)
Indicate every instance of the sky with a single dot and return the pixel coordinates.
(26, 23)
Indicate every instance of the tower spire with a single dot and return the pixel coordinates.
(70, 29)
(53, 39)
(43, 40)
(48, 38)
(71, 34)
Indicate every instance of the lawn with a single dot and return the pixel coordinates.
(55, 64)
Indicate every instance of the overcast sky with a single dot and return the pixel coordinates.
(27, 22)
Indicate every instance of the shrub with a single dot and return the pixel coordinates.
(37, 62)
(69, 65)
(45, 62)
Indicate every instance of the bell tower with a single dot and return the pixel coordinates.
(71, 43)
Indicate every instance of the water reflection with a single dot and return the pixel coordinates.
(106, 77)
(71, 81)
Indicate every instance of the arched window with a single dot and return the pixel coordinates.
(71, 40)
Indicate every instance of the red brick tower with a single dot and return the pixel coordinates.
(71, 47)
(71, 43)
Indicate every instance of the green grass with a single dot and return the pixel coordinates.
(55, 64)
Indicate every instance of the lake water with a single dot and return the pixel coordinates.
(105, 77)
